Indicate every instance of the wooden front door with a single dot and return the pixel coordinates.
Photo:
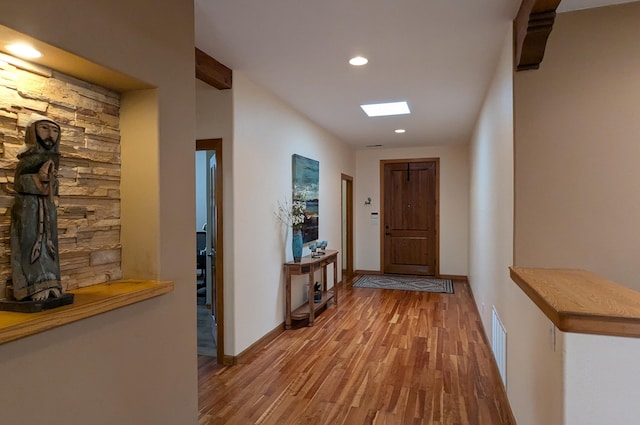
(410, 221)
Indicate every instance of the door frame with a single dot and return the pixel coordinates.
(436, 162)
(216, 145)
(347, 269)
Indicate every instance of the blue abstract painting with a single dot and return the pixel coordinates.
(306, 178)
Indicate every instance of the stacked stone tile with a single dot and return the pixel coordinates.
(89, 174)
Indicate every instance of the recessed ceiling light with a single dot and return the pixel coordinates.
(400, 130)
(358, 61)
(386, 109)
(23, 50)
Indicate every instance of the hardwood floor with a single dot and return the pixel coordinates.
(380, 357)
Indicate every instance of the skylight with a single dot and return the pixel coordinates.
(386, 109)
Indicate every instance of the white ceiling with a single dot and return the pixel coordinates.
(439, 55)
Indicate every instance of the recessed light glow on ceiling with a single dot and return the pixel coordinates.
(386, 109)
(400, 131)
(358, 61)
(23, 50)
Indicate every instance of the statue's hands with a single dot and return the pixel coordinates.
(47, 171)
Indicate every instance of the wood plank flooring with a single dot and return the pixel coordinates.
(380, 357)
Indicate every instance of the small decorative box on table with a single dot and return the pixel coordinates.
(309, 266)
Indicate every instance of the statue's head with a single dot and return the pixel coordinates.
(42, 136)
(47, 133)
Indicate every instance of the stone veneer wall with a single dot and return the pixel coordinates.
(89, 174)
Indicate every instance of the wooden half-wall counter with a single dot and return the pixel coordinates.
(580, 301)
(88, 301)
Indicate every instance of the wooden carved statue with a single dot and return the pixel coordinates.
(34, 226)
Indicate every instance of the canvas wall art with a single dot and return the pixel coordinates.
(306, 177)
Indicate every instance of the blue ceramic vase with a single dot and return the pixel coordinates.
(296, 245)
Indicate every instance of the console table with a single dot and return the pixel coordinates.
(309, 266)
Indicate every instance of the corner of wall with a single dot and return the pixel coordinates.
(140, 184)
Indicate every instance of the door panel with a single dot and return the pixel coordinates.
(347, 227)
(212, 230)
(410, 210)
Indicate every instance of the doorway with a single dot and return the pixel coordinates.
(410, 231)
(347, 228)
(209, 179)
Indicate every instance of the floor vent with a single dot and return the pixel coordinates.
(499, 344)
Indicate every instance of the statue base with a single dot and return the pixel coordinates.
(36, 306)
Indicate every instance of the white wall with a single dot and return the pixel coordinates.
(266, 133)
(602, 375)
(454, 204)
(491, 200)
(135, 365)
(535, 362)
(534, 366)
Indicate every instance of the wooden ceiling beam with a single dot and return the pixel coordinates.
(212, 72)
(532, 27)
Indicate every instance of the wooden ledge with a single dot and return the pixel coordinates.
(582, 302)
(89, 301)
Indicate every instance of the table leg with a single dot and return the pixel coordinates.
(325, 284)
(287, 291)
(335, 280)
(312, 313)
